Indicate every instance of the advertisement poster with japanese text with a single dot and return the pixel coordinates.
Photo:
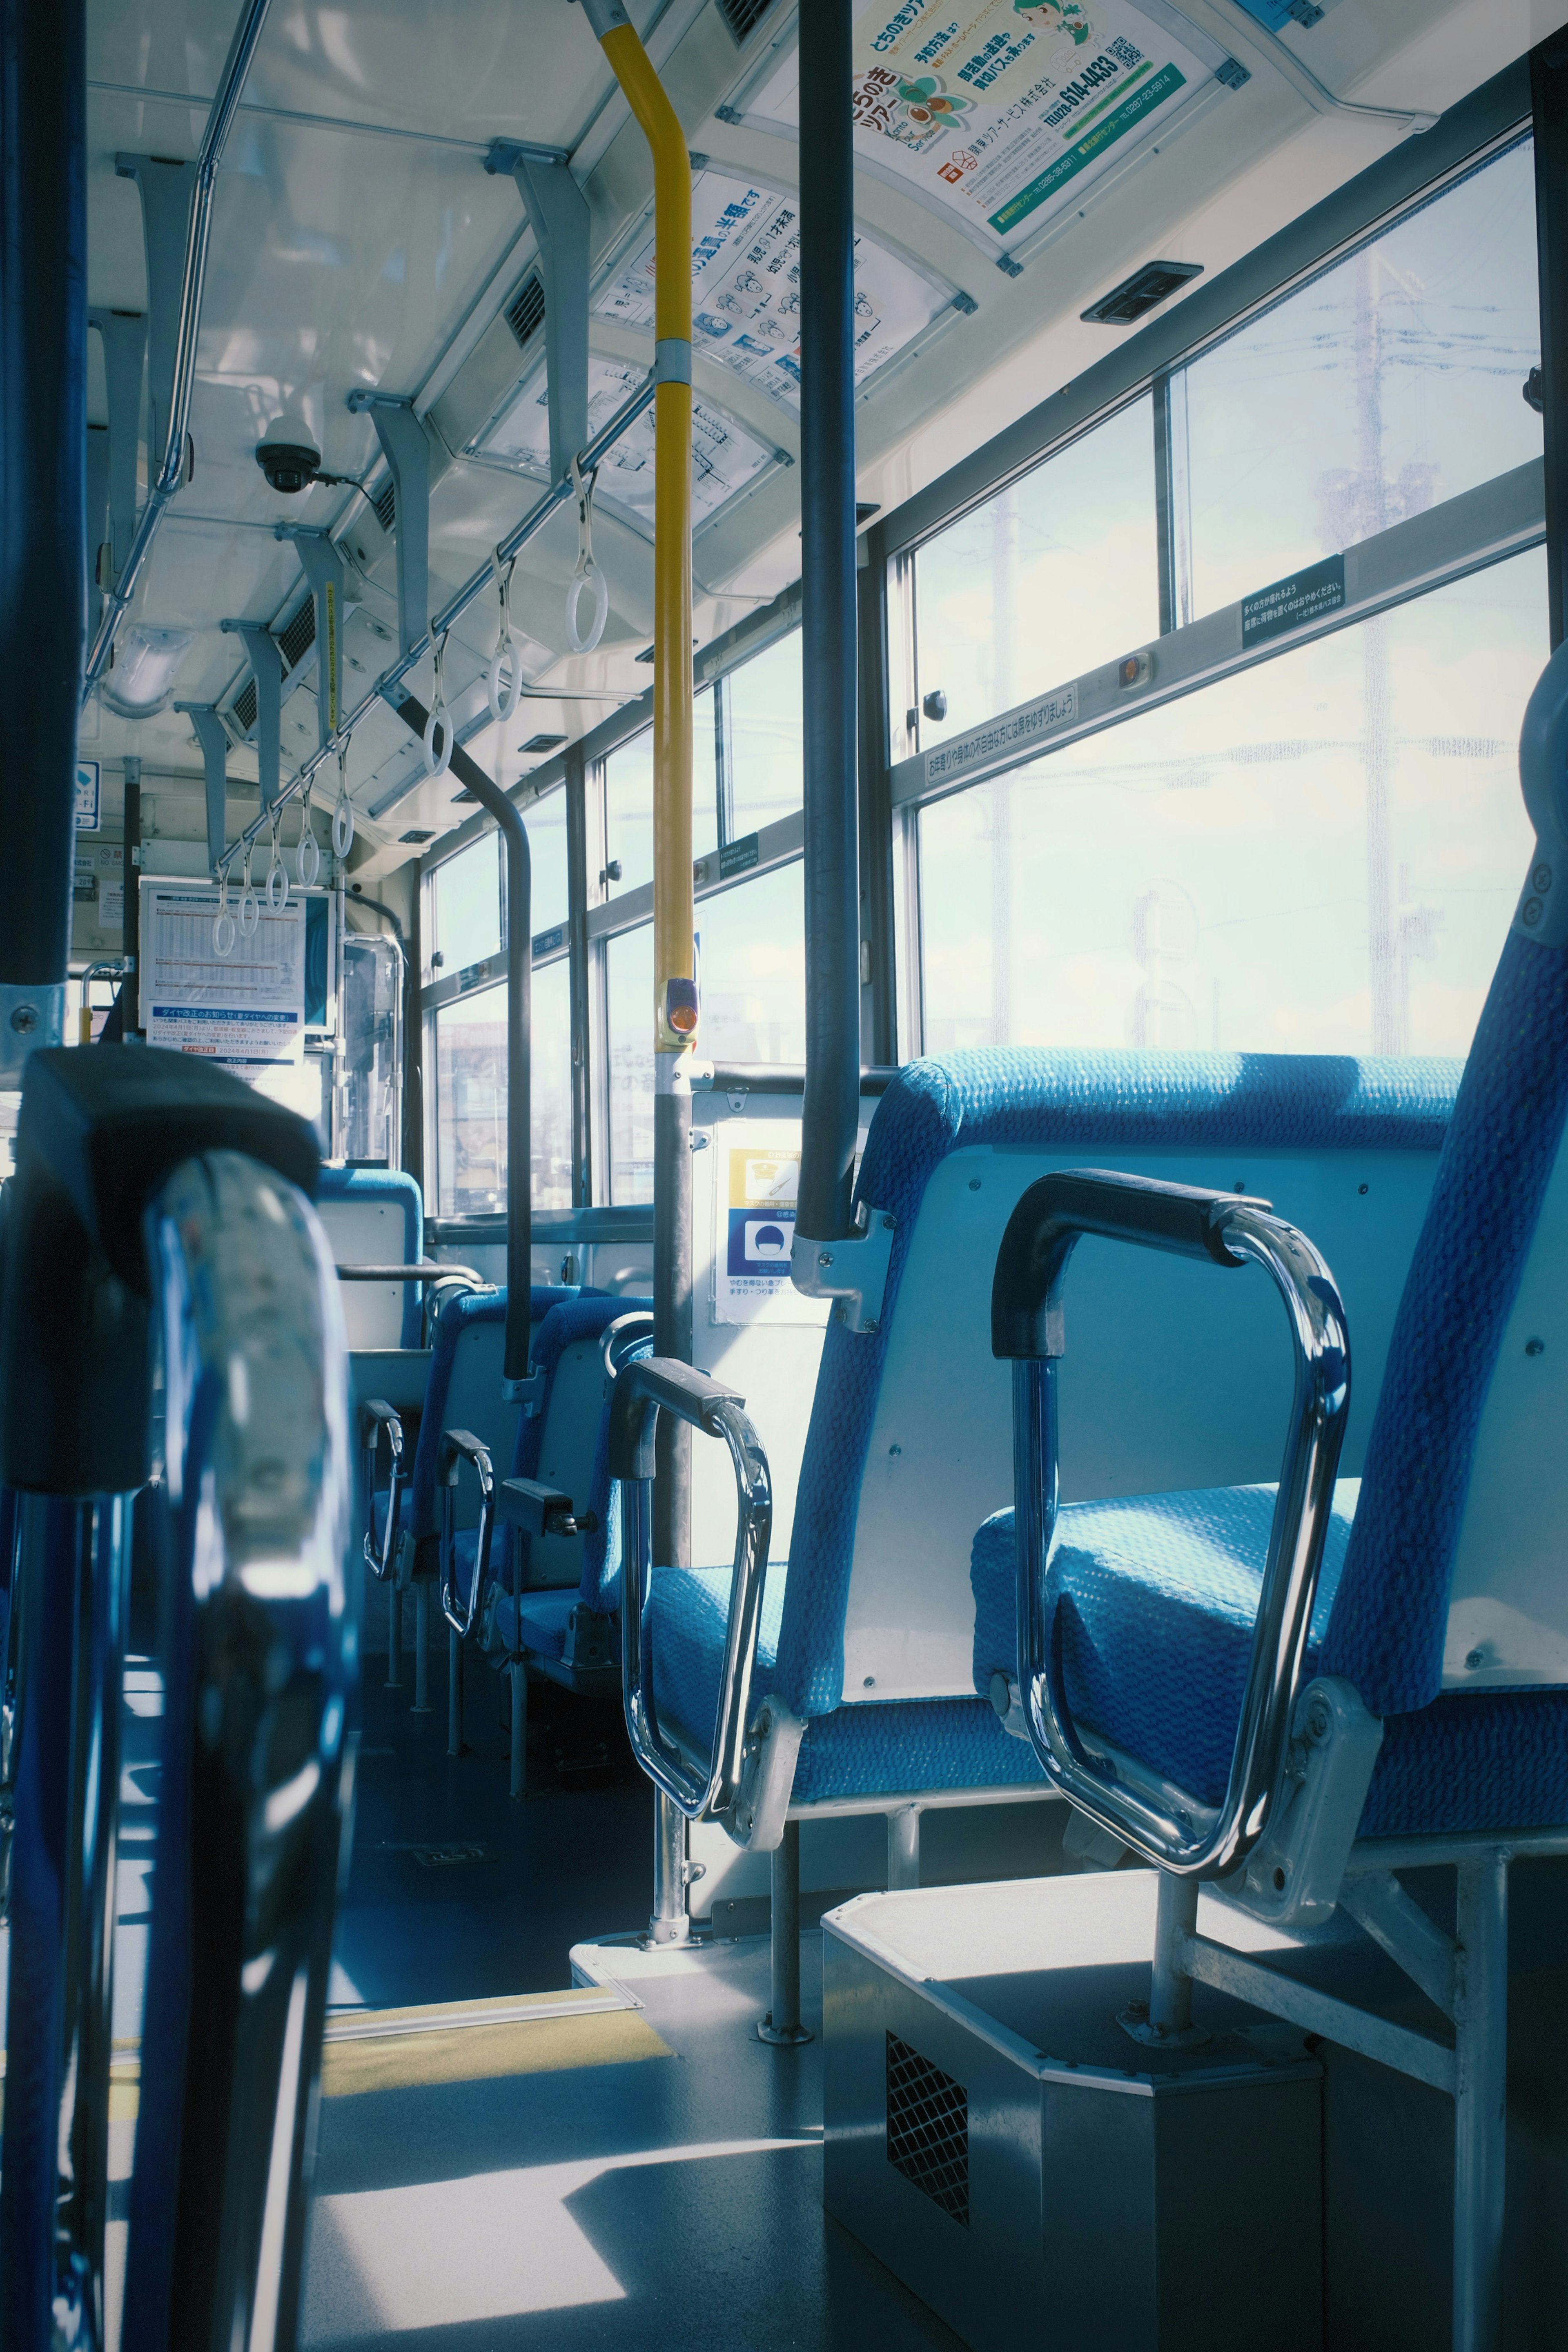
(1005, 111)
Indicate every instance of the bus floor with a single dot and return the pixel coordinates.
(637, 2175)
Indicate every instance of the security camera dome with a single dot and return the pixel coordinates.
(287, 455)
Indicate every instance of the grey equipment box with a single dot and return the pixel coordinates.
(1031, 2171)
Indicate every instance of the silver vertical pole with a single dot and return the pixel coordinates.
(454, 1690)
(781, 2025)
(422, 1646)
(904, 1847)
(1480, 2103)
(670, 1922)
(1171, 1997)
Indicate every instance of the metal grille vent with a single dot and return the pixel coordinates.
(294, 641)
(386, 504)
(742, 16)
(525, 311)
(245, 707)
(928, 2128)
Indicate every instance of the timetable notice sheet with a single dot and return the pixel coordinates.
(246, 1010)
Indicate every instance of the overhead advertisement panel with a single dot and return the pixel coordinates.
(745, 287)
(724, 456)
(1003, 114)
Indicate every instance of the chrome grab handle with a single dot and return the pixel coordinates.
(458, 1446)
(377, 1414)
(1138, 1808)
(644, 1389)
(260, 1478)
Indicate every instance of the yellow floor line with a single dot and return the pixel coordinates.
(447, 2042)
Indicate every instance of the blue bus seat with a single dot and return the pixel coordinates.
(563, 1444)
(1429, 1721)
(463, 1390)
(375, 1216)
(869, 1632)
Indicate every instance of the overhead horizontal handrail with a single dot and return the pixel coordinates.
(555, 497)
(117, 599)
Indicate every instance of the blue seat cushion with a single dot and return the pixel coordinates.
(857, 1752)
(1158, 1594)
(539, 1622)
(1158, 1598)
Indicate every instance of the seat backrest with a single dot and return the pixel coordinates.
(1175, 1377)
(375, 1216)
(561, 1445)
(1454, 1577)
(464, 1391)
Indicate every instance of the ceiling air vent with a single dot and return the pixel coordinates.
(245, 707)
(742, 16)
(294, 640)
(386, 504)
(543, 743)
(416, 835)
(1141, 293)
(525, 311)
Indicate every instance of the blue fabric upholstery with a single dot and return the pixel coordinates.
(1158, 1595)
(1101, 1102)
(581, 1317)
(1386, 1636)
(859, 1751)
(471, 1307)
(1160, 1592)
(390, 1185)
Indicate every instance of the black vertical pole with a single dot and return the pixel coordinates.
(43, 504)
(516, 1348)
(577, 975)
(832, 1105)
(1549, 104)
(130, 859)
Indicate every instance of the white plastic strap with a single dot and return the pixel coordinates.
(504, 699)
(343, 814)
(308, 852)
(588, 573)
(250, 904)
(438, 727)
(224, 932)
(277, 871)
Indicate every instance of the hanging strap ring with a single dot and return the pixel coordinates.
(277, 871)
(308, 850)
(504, 699)
(439, 728)
(343, 814)
(224, 932)
(250, 904)
(588, 573)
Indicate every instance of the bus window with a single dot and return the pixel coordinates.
(628, 802)
(753, 970)
(1054, 575)
(466, 905)
(1383, 387)
(761, 762)
(472, 1097)
(545, 821)
(628, 995)
(1190, 878)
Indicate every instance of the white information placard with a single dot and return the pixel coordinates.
(246, 1010)
(724, 456)
(757, 1181)
(1003, 113)
(745, 287)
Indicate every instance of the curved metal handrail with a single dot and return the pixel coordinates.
(1136, 1806)
(642, 1390)
(458, 1446)
(260, 1478)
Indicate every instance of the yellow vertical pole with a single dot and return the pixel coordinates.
(676, 1007)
